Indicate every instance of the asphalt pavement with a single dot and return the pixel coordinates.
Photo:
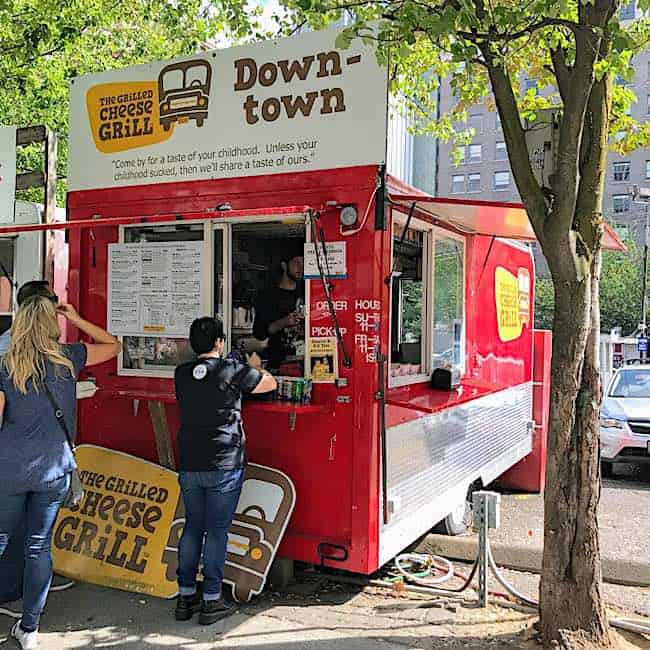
(624, 528)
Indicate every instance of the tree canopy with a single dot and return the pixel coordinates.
(46, 43)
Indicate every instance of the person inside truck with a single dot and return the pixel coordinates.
(279, 315)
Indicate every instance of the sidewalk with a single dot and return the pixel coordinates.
(624, 528)
(334, 618)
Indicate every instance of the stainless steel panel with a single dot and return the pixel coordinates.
(431, 456)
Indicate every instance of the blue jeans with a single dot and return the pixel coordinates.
(38, 510)
(210, 500)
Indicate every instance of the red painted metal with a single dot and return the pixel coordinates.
(331, 449)
(529, 474)
(99, 221)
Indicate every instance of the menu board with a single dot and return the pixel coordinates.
(154, 289)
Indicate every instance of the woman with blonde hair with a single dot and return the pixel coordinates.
(38, 377)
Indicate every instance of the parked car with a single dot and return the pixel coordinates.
(625, 418)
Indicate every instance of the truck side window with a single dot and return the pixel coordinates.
(408, 303)
(448, 303)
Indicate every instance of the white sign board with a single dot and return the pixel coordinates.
(155, 289)
(290, 105)
(332, 261)
(7, 173)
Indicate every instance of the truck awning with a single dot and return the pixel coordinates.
(98, 222)
(506, 220)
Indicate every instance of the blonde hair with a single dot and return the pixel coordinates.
(34, 341)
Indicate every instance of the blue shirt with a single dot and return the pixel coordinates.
(33, 447)
(5, 339)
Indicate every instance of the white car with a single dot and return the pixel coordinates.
(625, 418)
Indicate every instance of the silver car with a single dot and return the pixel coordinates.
(625, 418)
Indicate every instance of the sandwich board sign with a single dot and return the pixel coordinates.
(125, 531)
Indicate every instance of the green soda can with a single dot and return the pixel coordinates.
(298, 391)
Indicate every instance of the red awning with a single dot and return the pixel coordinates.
(507, 220)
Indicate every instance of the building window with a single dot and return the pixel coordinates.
(458, 183)
(497, 123)
(647, 168)
(475, 153)
(622, 203)
(627, 11)
(500, 151)
(648, 102)
(622, 171)
(501, 180)
(448, 302)
(530, 84)
(474, 183)
(476, 122)
(648, 71)
(462, 159)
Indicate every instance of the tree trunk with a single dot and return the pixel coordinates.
(570, 591)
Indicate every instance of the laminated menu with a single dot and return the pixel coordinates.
(154, 289)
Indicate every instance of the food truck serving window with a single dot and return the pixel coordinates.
(168, 289)
(249, 273)
(427, 301)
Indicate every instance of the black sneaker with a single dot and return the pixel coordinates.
(214, 610)
(187, 606)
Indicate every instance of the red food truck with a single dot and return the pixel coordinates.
(168, 221)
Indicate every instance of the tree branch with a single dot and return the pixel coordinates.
(564, 181)
(562, 72)
(593, 156)
(515, 137)
(508, 37)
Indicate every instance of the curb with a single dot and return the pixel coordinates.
(525, 558)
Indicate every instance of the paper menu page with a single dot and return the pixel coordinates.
(154, 288)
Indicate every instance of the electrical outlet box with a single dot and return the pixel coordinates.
(486, 504)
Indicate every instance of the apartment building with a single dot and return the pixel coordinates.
(484, 171)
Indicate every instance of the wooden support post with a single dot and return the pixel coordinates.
(161, 432)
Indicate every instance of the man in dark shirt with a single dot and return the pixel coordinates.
(212, 462)
(278, 316)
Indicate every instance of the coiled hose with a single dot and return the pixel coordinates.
(433, 583)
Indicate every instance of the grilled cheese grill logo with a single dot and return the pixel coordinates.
(128, 115)
(512, 295)
(125, 532)
(135, 114)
